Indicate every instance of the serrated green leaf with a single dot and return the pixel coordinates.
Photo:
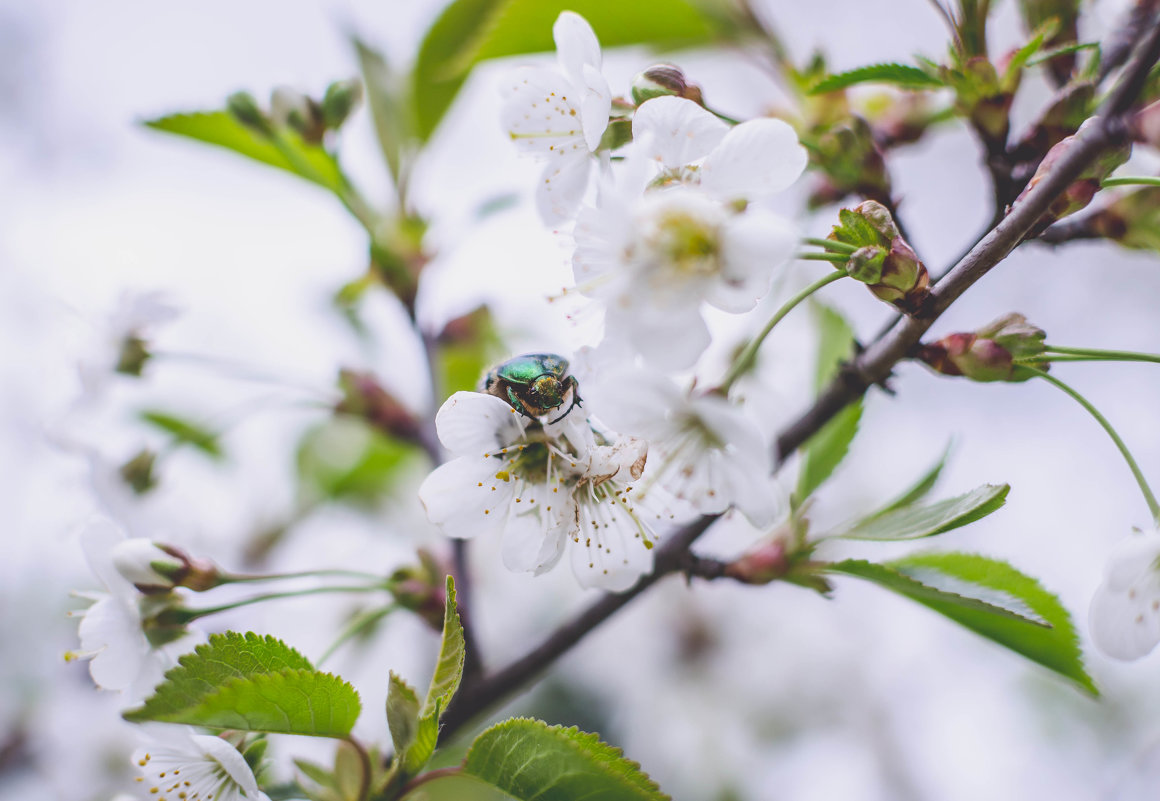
(917, 491)
(903, 76)
(915, 522)
(1075, 47)
(387, 106)
(528, 759)
(452, 650)
(826, 449)
(989, 597)
(221, 129)
(252, 683)
(185, 432)
(402, 713)
(470, 31)
(1019, 58)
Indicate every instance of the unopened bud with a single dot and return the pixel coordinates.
(340, 100)
(1133, 220)
(153, 567)
(244, 108)
(422, 588)
(993, 353)
(663, 79)
(132, 356)
(363, 396)
(766, 563)
(884, 261)
(138, 471)
(851, 161)
(291, 109)
(1081, 191)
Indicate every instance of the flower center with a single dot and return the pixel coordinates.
(680, 235)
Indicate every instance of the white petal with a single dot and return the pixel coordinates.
(1133, 558)
(609, 554)
(673, 340)
(534, 540)
(753, 245)
(561, 187)
(232, 762)
(636, 401)
(1123, 626)
(98, 541)
(541, 113)
(475, 423)
(459, 498)
(744, 439)
(755, 158)
(677, 131)
(595, 106)
(576, 45)
(113, 628)
(601, 234)
(134, 560)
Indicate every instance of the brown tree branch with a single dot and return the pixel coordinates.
(871, 367)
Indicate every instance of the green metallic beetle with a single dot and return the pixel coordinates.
(534, 384)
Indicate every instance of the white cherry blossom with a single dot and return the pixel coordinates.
(1125, 611)
(541, 487)
(560, 114)
(180, 764)
(703, 450)
(112, 630)
(118, 342)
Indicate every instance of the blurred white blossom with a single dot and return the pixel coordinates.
(1125, 611)
(561, 115)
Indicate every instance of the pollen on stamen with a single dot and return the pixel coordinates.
(487, 511)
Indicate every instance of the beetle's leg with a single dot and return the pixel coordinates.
(518, 404)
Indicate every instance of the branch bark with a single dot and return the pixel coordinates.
(872, 366)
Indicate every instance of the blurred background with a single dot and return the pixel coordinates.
(719, 691)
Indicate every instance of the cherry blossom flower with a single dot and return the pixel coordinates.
(703, 449)
(560, 114)
(113, 636)
(195, 767)
(120, 344)
(1125, 611)
(693, 235)
(541, 485)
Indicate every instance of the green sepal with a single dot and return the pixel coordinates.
(185, 432)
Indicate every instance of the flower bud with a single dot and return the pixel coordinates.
(884, 261)
(132, 356)
(138, 471)
(153, 567)
(762, 565)
(244, 108)
(1081, 191)
(422, 588)
(340, 101)
(1133, 220)
(291, 109)
(989, 354)
(851, 161)
(663, 79)
(363, 396)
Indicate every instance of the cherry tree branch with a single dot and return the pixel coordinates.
(873, 366)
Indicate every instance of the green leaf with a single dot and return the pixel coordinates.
(252, 683)
(423, 746)
(449, 668)
(469, 31)
(1075, 47)
(988, 597)
(388, 109)
(918, 490)
(402, 713)
(220, 128)
(914, 522)
(1019, 58)
(185, 432)
(528, 759)
(826, 449)
(903, 76)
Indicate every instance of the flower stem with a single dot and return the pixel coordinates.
(194, 614)
(237, 578)
(1131, 180)
(1093, 354)
(836, 258)
(744, 360)
(1149, 498)
(830, 244)
(429, 776)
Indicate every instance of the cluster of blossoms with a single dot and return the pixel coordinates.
(677, 223)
